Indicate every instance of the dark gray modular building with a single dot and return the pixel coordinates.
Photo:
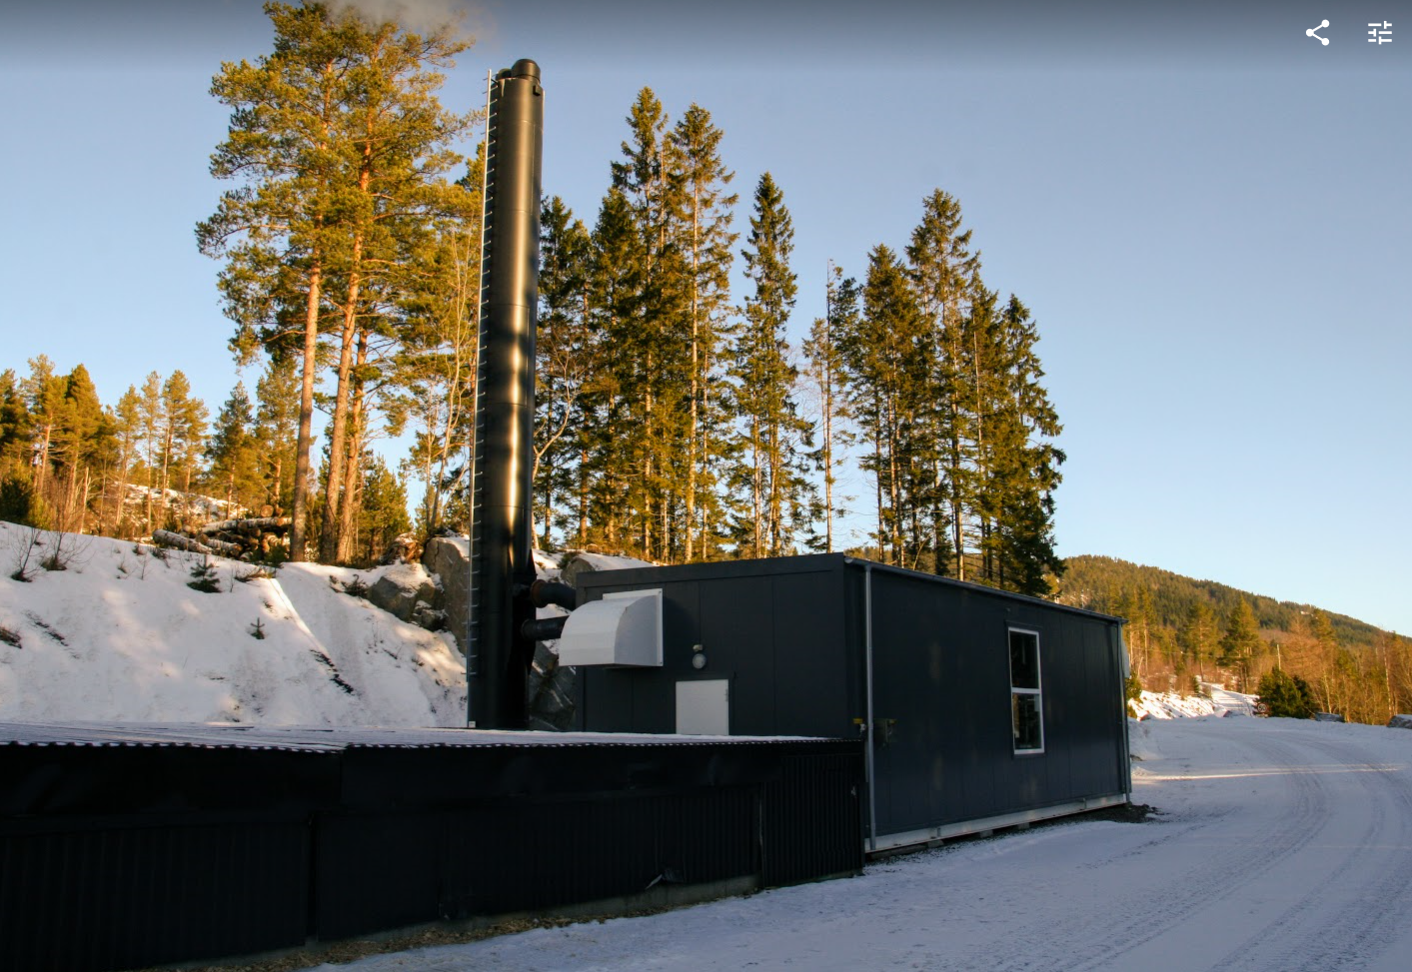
(980, 708)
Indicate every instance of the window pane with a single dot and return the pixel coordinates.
(1024, 710)
(1024, 660)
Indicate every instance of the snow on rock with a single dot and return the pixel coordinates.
(120, 636)
(584, 563)
(1400, 722)
(449, 559)
(401, 587)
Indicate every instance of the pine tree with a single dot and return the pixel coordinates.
(393, 140)
(44, 400)
(437, 363)
(182, 430)
(277, 229)
(78, 435)
(128, 437)
(338, 139)
(149, 417)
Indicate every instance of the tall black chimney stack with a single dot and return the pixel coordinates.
(498, 655)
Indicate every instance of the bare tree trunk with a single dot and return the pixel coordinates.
(352, 462)
(298, 534)
(338, 438)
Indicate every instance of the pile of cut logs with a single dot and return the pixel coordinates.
(230, 538)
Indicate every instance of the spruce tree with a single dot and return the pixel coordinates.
(611, 448)
(565, 356)
(888, 361)
(776, 435)
(654, 347)
(14, 427)
(945, 272)
(1240, 644)
(706, 243)
(232, 453)
(824, 352)
(1197, 636)
(276, 432)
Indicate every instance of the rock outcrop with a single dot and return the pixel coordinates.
(403, 590)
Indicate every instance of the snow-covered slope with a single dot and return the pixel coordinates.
(119, 635)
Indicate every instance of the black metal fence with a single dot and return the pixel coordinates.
(121, 855)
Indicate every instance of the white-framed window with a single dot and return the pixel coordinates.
(1026, 699)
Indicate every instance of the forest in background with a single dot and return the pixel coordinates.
(675, 420)
(1183, 631)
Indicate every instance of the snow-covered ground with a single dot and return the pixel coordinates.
(1169, 705)
(1277, 845)
(119, 636)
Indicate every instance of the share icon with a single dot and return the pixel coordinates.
(1313, 32)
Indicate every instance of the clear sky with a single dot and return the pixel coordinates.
(1206, 210)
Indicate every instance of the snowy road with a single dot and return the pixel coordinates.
(1280, 845)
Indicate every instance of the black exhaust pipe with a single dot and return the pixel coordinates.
(499, 654)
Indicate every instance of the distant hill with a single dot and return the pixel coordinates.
(1102, 583)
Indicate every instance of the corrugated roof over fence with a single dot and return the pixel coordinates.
(314, 739)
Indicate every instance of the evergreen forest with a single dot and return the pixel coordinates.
(676, 420)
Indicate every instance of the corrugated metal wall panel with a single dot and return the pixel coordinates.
(389, 838)
(809, 832)
(106, 895)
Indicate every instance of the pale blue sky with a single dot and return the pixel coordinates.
(1207, 212)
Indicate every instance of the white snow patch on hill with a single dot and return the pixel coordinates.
(1169, 705)
(120, 636)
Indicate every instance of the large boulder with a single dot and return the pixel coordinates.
(449, 558)
(1400, 722)
(402, 588)
(577, 563)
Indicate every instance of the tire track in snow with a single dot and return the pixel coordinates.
(1374, 880)
(1130, 923)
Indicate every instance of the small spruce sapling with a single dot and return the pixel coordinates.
(257, 630)
(205, 578)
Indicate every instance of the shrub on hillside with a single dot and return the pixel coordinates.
(19, 504)
(1282, 694)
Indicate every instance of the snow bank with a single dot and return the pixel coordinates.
(119, 635)
(1169, 705)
